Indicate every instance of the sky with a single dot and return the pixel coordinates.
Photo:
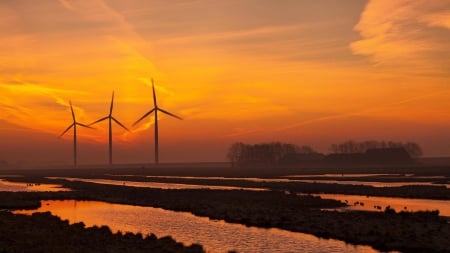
(304, 72)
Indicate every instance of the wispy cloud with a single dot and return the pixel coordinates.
(364, 112)
(263, 31)
(66, 4)
(37, 106)
(399, 34)
(235, 107)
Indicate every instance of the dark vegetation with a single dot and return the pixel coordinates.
(410, 191)
(346, 153)
(241, 154)
(351, 147)
(408, 232)
(42, 232)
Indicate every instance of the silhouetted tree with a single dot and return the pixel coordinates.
(348, 147)
(263, 153)
(305, 150)
(235, 152)
(413, 149)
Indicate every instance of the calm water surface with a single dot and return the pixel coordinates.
(27, 187)
(215, 236)
(374, 184)
(326, 180)
(157, 185)
(398, 204)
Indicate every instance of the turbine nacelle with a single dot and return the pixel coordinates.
(110, 118)
(155, 109)
(74, 126)
(74, 123)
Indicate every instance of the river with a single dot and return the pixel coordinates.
(214, 235)
(369, 203)
(29, 187)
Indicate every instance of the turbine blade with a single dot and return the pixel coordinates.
(71, 108)
(168, 113)
(100, 120)
(112, 104)
(143, 117)
(65, 131)
(83, 125)
(154, 94)
(120, 124)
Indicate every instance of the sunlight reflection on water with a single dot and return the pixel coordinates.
(215, 236)
(327, 179)
(157, 185)
(27, 187)
(398, 204)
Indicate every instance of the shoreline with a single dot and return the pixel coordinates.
(387, 230)
(44, 232)
(381, 230)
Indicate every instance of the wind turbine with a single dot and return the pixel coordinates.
(110, 118)
(74, 125)
(156, 109)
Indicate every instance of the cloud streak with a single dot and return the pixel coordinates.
(402, 34)
(364, 112)
(66, 5)
(37, 106)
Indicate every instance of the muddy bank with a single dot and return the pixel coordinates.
(409, 191)
(225, 170)
(42, 232)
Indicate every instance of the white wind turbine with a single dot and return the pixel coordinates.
(156, 109)
(110, 118)
(74, 125)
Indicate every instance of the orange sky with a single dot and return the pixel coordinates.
(307, 72)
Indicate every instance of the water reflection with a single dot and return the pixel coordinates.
(365, 203)
(340, 174)
(374, 184)
(252, 179)
(29, 187)
(326, 180)
(215, 236)
(157, 185)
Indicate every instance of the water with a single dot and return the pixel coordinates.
(326, 180)
(398, 204)
(339, 175)
(156, 184)
(374, 184)
(27, 187)
(215, 236)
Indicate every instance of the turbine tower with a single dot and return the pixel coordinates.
(110, 118)
(156, 109)
(74, 125)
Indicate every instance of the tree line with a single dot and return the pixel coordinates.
(272, 153)
(267, 153)
(349, 147)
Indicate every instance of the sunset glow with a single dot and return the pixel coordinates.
(306, 72)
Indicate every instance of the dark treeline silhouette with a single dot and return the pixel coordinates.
(351, 147)
(346, 153)
(264, 153)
